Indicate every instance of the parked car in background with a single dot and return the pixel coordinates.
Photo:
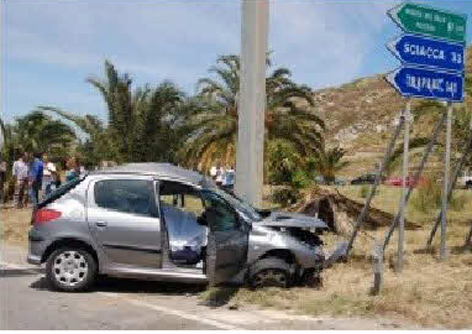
(163, 222)
(339, 181)
(368, 178)
(397, 181)
(465, 180)
(320, 179)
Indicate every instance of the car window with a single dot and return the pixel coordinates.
(129, 196)
(182, 197)
(219, 214)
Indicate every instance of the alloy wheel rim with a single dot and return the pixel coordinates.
(70, 268)
(271, 277)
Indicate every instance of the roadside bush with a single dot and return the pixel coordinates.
(300, 180)
(364, 191)
(429, 197)
(286, 196)
(458, 202)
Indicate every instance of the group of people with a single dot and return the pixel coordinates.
(224, 177)
(35, 175)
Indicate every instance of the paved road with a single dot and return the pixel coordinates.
(26, 303)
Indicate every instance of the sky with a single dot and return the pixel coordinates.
(50, 47)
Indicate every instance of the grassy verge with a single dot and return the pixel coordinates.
(429, 292)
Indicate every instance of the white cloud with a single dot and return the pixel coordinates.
(322, 42)
(328, 42)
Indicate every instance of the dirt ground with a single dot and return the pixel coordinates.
(14, 225)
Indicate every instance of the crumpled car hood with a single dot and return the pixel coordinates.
(289, 219)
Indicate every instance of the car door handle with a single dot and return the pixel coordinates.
(101, 224)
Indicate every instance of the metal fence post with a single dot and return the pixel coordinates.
(426, 154)
(365, 209)
(401, 227)
(443, 250)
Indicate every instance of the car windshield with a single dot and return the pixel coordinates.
(239, 204)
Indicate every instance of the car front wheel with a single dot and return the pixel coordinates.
(71, 270)
(270, 272)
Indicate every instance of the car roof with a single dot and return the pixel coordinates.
(161, 170)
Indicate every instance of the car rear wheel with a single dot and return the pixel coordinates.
(71, 270)
(270, 272)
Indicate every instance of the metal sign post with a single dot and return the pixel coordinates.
(401, 226)
(432, 56)
(447, 162)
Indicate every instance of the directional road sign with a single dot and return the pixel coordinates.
(422, 51)
(421, 19)
(424, 83)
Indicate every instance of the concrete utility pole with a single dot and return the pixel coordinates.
(252, 102)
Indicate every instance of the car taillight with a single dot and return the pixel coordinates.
(44, 215)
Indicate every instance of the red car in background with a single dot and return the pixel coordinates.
(397, 181)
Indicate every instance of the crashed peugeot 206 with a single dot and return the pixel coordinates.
(161, 222)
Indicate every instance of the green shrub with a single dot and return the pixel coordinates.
(300, 180)
(427, 197)
(364, 191)
(286, 196)
(457, 202)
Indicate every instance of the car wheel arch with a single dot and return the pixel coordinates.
(280, 253)
(69, 242)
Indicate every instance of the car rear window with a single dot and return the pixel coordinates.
(61, 191)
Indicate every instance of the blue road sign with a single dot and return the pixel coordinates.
(430, 84)
(424, 51)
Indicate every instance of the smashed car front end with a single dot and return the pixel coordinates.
(295, 238)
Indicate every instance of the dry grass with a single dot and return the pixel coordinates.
(429, 292)
(14, 225)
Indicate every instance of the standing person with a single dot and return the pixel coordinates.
(47, 174)
(36, 178)
(220, 175)
(20, 175)
(55, 182)
(213, 172)
(3, 175)
(72, 167)
(230, 176)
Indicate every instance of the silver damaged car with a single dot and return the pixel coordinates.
(162, 222)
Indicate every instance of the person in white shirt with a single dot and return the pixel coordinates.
(49, 168)
(220, 176)
(20, 173)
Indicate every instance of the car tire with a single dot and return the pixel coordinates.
(270, 272)
(71, 269)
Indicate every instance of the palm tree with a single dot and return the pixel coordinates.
(213, 130)
(98, 145)
(141, 121)
(328, 162)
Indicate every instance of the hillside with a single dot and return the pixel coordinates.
(361, 117)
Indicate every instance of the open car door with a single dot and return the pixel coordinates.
(227, 239)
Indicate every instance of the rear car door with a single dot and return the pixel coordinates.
(123, 218)
(227, 239)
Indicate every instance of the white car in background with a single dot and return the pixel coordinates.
(465, 179)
